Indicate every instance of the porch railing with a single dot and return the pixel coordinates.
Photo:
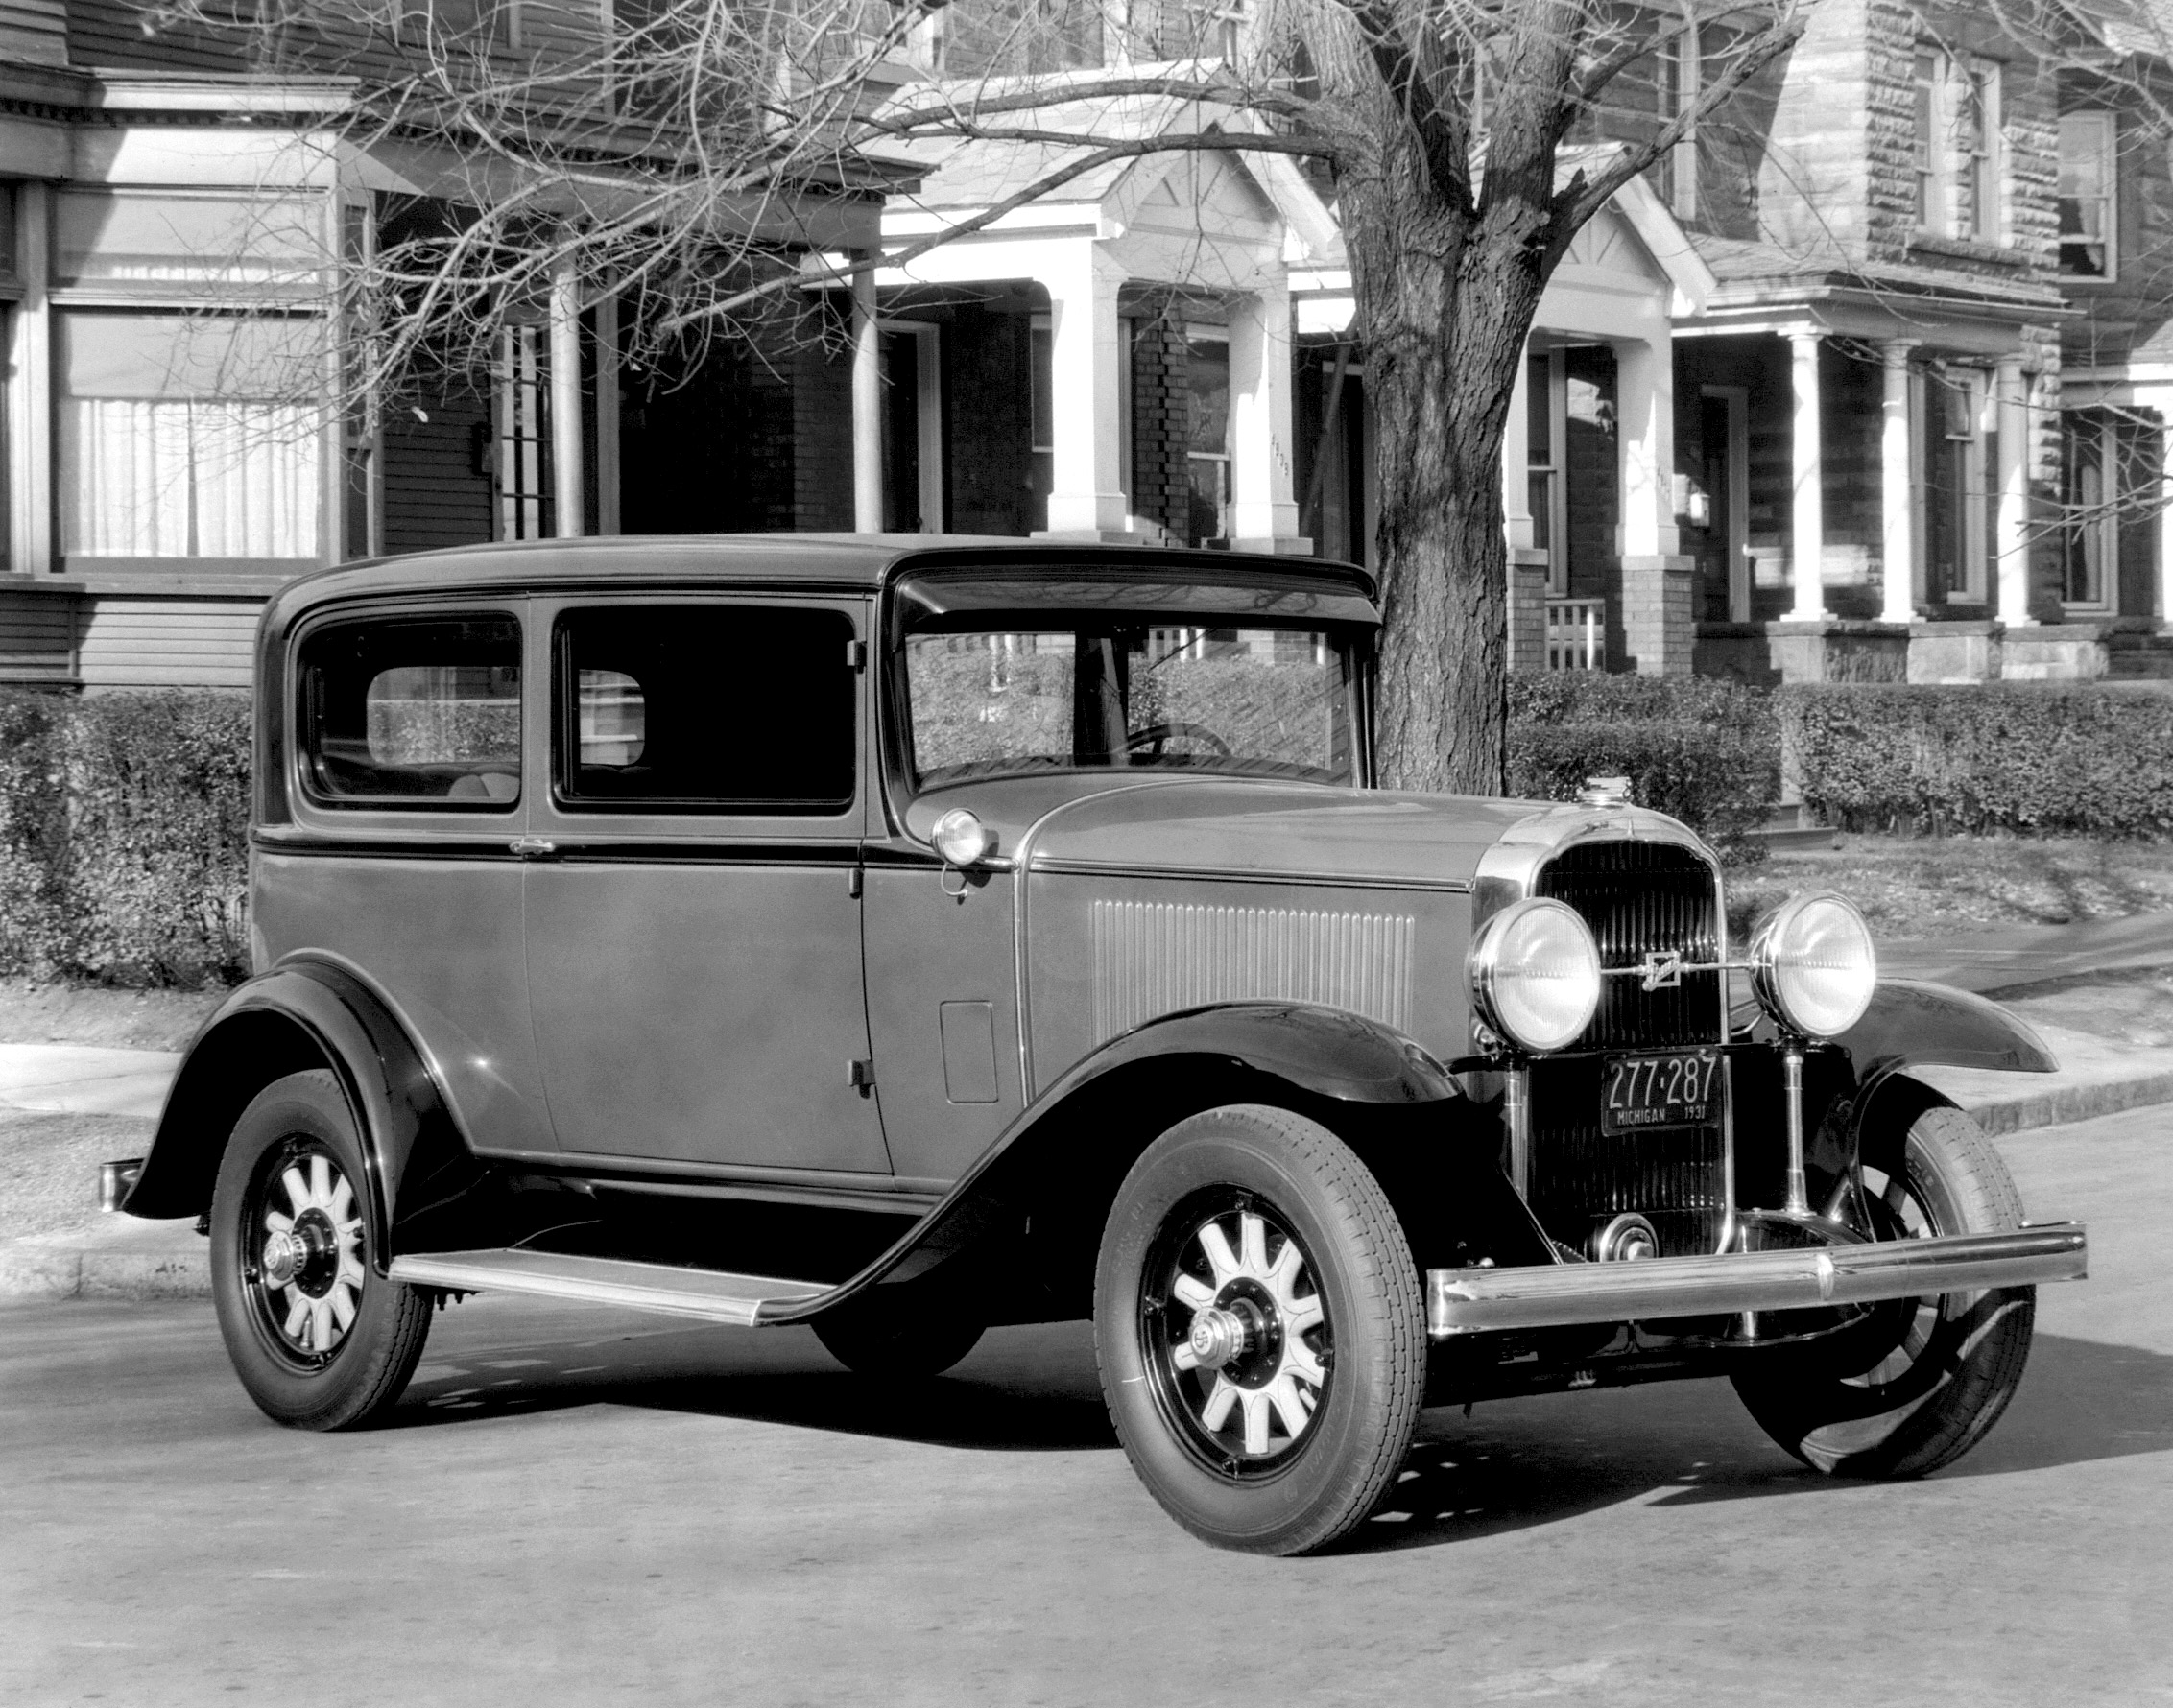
(1576, 634)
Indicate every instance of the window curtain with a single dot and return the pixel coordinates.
(191, 478)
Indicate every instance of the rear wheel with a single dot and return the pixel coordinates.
(1922, 1379)
(319, 1338)
(1258, 1322)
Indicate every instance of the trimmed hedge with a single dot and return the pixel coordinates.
(124, 837)
(1990, 757)
(1699, 749)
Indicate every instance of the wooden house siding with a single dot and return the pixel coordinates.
(38, 638)
(34, 30)
(433, 494)
(167, 643)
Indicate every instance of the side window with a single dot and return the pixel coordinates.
(413, 711)
(706, 708)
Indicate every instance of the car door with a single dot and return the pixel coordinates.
(694, 922)
(403, 861)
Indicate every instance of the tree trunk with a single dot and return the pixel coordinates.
(1443, 344)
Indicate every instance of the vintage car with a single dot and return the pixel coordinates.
(905, 935)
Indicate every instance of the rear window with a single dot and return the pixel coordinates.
(707, 708)
(414, 711)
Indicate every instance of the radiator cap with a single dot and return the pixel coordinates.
(1605, 792)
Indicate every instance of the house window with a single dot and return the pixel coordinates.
(522, 459)
(999, 37)
(166, 240)
(1957, 146)
(1677, 75)
(2109, 468)
(1545, 423)
(1041, 384)
(1207, 377)
(189, 435)
(2089, 235)
(1960, 447)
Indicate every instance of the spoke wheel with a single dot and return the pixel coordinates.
(1237, 1334)
(319, 1340)
(302, 1251)
(1258, 1323)
(1919, 1380)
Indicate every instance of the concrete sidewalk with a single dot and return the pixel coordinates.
(122, 1256)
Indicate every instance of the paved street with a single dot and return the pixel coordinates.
(581, 1507)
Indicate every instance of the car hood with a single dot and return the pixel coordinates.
(1244, 826)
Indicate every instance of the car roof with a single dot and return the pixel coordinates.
(811, 562)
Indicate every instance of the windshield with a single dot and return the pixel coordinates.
(1000, 695)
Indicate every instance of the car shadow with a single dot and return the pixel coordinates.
(1509, 1465)
(1538, 1461)
(1023, 1390)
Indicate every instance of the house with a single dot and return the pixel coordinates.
(1862, 382)
(170, 460)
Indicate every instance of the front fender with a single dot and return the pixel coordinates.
(1914, 1024)
(302, 1015)
(1239, 1048)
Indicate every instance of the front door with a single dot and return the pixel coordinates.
(694, 930)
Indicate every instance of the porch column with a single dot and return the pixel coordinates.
(1644, 385)
(867, 406)
(30, 544)
(1264, 497)
(607, 414)
(2011, 521)
(2160, 400)
(568, 501)
(1658, 623)
(1807, 540)
(1898, 535)
(1086, 385)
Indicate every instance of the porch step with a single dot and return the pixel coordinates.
(705, 1294)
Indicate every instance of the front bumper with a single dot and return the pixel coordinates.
(1473, 1302)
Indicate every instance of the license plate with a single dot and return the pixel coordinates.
(1642, 1091)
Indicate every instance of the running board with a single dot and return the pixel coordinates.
(1470, 1301)
(702, 1294)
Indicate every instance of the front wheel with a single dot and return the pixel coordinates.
(319, 1338)
(1260, 1326)
(1926, 1377)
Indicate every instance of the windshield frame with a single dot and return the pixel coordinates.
(981, 598)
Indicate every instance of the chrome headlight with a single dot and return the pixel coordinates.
(1813, 965)
(1536, 974)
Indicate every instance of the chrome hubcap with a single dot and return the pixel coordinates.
(1245, 1358)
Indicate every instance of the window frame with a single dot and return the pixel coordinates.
(636, 817)
(1960, 182)
(302, 724)
(2107, 199)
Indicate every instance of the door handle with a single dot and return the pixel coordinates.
(533, 848)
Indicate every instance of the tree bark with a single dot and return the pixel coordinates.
(1444, 343)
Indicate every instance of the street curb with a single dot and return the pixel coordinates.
(67, 1267)
(2065, 1104)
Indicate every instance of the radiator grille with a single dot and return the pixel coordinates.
(1638, 898)
(1156, 958)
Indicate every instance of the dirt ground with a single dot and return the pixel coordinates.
(32, 1013)
(1915, 887)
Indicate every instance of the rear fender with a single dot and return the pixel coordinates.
(306, 1014)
